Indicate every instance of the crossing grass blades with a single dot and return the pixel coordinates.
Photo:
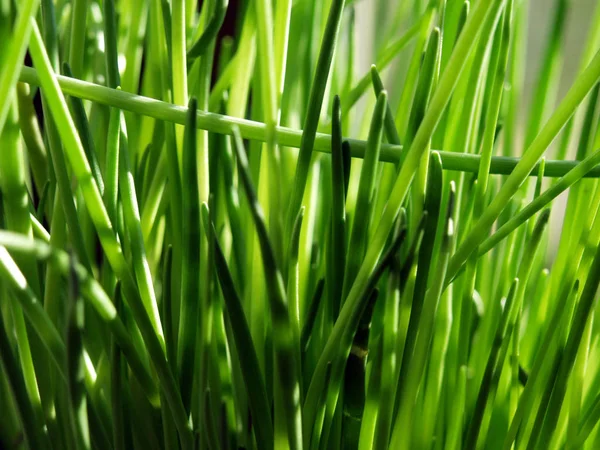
(216, 233)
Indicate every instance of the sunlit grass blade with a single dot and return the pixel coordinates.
(13, 57)
(32, 429)
(387, 56)
(572, 177)
(576, 94)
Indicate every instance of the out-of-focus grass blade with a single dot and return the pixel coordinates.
(78, 416)
(387, 56)
(11, 60)
(211, 30)
(83, 127)
(311, 315)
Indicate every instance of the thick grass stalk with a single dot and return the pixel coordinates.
(218, 123)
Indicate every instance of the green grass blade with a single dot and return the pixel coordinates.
(541, 201)
(285, 353)
(210, 32)
(13, 57)
(311, 120)
(255, 386)
(190, 299)
(32, 429)
(360, 227)
(582, 85)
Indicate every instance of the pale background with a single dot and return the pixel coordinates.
(540, 23)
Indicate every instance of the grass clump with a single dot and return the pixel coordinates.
(206, 241)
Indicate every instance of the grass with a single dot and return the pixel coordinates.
(216, 233)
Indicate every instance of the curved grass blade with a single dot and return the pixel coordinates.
(311, 315)
(210, 32)
(391, 132)
(255, 386)
(283, 338)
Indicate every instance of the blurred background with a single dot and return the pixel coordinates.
(541, 17)
(540, 26)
